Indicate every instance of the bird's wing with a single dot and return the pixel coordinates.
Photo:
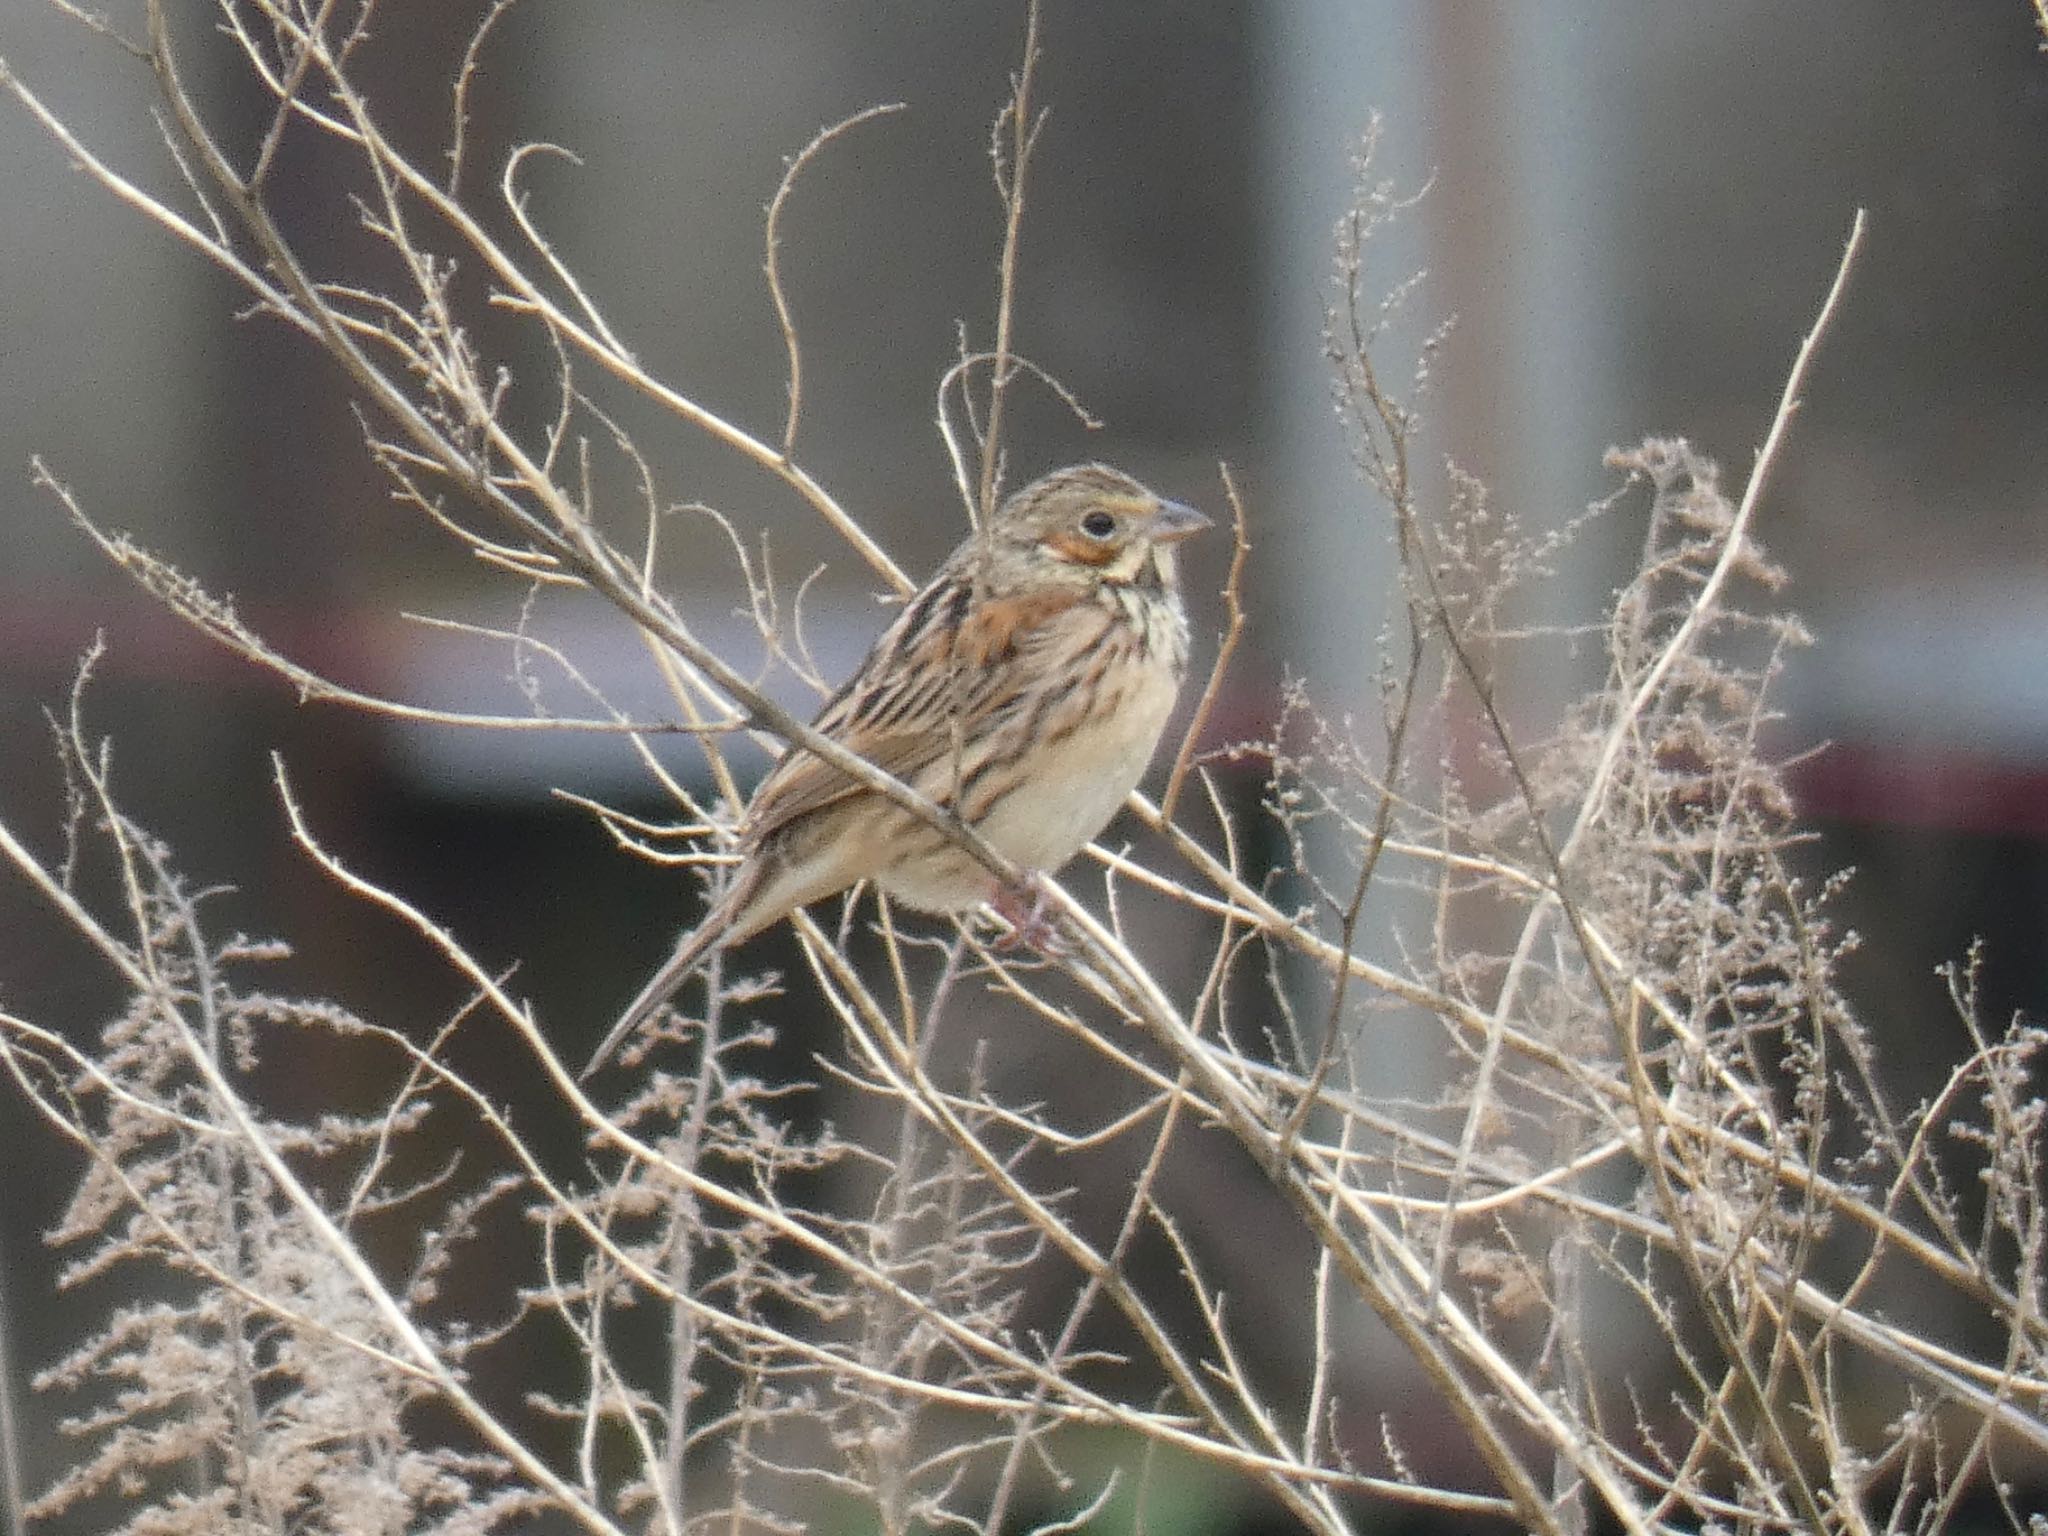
(931, 681)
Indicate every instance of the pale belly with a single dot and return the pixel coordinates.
(1075, 789)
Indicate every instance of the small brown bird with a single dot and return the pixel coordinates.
(1026, 686)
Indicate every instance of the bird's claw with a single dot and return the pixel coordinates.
(1026, 908)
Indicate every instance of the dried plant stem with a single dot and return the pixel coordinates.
(1226, 650)
(1649, 1075)
(1016, 133)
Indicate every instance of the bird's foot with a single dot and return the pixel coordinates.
(1026, 907)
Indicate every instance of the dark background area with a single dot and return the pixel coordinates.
(1635, 211)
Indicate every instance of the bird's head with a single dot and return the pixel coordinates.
(1090, 524)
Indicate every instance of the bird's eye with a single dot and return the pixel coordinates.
(1098, 525)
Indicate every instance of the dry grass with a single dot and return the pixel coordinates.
(1657, 1123)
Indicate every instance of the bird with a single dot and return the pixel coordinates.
(1023, 690)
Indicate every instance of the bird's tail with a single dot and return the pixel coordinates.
(663, 985)
(768, 889)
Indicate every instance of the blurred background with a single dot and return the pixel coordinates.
(1634, 212)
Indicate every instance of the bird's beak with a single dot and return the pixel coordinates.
(1176, 520)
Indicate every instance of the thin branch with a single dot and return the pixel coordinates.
(771, 262)
(1226, 649)
(1011, 163)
